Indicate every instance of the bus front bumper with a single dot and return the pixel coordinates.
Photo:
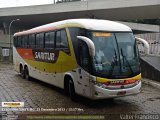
(101, 93)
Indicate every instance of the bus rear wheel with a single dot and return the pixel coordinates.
(26, 73)
(21, 72)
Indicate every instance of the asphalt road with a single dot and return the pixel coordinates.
(47, 99)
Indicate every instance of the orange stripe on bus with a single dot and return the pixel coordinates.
(26, 53)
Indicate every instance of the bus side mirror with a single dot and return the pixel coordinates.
(89, 43)
(145, 43)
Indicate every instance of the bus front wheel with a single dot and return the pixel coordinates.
(72, 93)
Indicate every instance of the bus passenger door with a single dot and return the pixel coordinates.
(83, 75)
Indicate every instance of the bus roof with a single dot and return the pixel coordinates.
(91, 24)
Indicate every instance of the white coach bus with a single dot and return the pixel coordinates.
(94, 58)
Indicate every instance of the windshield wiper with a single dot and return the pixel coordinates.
(124, 58)
(114, 62)
(115, 58)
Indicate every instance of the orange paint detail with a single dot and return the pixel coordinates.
(26, 53)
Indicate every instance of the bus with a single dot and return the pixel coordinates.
(97, 59)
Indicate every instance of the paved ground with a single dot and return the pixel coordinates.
(36, 94)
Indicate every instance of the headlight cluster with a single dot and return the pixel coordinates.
(100, 85)
(117, 86)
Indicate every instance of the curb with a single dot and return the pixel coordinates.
(151, 82)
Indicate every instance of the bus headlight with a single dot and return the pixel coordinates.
(104, 86)
(100, 85)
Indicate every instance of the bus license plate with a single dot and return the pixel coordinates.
(121, 93)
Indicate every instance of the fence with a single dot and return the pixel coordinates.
(154, 43)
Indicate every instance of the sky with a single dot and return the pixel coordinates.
(15, 3)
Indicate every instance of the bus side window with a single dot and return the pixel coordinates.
(49, 40)
(74, 32)
(62, 41)
(58, 39)
(37, 40)
(15, 41)
(40, 40)
(31, 41)
(19, 42)
(52, 39)
(22, 41)
(25, 41)
(84, 55)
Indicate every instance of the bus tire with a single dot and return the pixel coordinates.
(21, 71)
(26, 73)
(71, 91)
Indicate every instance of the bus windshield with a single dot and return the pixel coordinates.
(116, 54)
